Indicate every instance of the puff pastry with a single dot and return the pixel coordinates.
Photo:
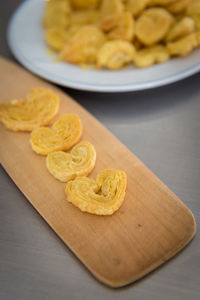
(153, 25)
(184, 45)
(115, 54)
(79, 31)
(83, 45)
(150, 55)
(65, 133)
(39, 109)
(67, 166)
(120, 26)
(101, 197)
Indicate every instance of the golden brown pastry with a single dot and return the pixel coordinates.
(84, 17)
(111, 7)
(65, 133)
(102, 196)
(84, 4)
(39, 109)
(135, 7)
(56, 14)
(119, 27)
(153, 25)
(80, 30)
(115, 54)
(183, 27)
(184, 45)
(178, 7)
(66, 166)
(84, 45)
(151, 55)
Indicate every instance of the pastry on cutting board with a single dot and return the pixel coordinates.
(66, 166)
(64, 134)
(102, 196)
(39, 109)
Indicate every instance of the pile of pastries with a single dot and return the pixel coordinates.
(102, 196)
(114, 34)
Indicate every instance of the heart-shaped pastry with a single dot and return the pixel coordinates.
(152, 25)
(39, 109)
(65, 133)
(66, 166)
(101, 197)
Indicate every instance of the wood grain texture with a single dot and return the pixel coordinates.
(151, 226)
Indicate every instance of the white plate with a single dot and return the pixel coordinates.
(26, 40)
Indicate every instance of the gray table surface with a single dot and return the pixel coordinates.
(162, 127)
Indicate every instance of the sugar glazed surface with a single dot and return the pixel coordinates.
(117, 33)
(102, 196)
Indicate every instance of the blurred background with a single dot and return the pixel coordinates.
(162, 127)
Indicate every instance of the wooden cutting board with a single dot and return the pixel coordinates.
(150, 227)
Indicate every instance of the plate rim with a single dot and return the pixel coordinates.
(87, 86)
